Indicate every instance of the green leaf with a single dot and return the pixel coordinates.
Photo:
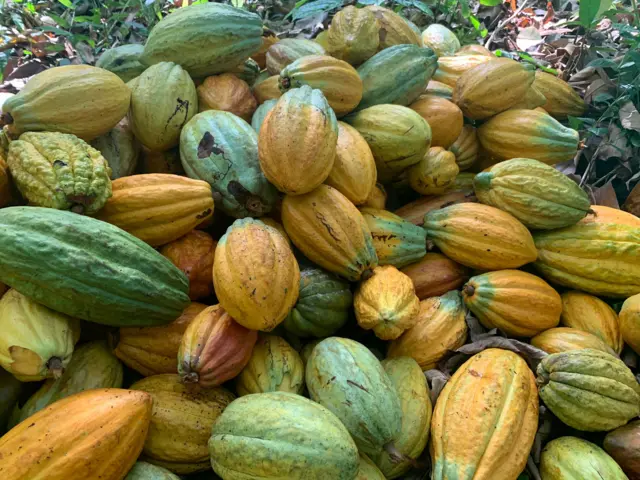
(56, 30)
(575, 122)
(67, 3)
(60, 20)
(31, 8)
(603, 63)
(419, 4)
(237, 3)
(313, 8)
(478, 26)
(588, 12)
(464, 8)
(490, 3)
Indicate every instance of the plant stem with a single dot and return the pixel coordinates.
(634, 5)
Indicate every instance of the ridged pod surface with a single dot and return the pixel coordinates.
(518, 303)
(479, 236)
(474, 49)
(588, 390)
(415, 211)
(492, 87)
(353, 35)
(336, 79)
(214, 348)
(260, 57)
(261, 113)
(538, 195)
(323, 305)
(394, 30)
(398, 137)
(228, 93)
(61, 171)
(288, 50)
(255, 274)
(603, 214)
(415, 402)
(346, 378)
(397, 241)
(397, 75)
(571, 457)
(130, 283)
(601, 259)
(440, 39)
(435, 174)
(439, 89)
(78, 99)
(247, 71)
(590, 314)
(267, 89)
(181, 422)
(205, 39)
(148, 471)
(92, 365)
(563, 339)
(630, 322)
(561, 99)
(297, 142)
(120, 149)
(532, 99)
(434, 275)
(443, 116)
(123, 60)
(368, 470)
(296, 439)
(153, 350)
(622, 445)
(193, 253)
(163, 100)
(528, 134)
(440, 327)
(354, 171)
(452, 67)
(386, 303)
(101, 439)
(466, 147)
(330, 231)
(497, 392)
(222, 149)
(377, 198)
(36, 342)
(274, 366)
(158, 208)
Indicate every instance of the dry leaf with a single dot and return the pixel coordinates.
(606, 196)
(629, 117)
(528, 38)
(632, 205)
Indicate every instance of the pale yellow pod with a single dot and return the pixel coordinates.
(435, 174)
(590, 314)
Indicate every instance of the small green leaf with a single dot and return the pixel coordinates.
(588, 12)
(575, 122)
(490, 3)
(237, 3)
(603, 63)
(67, 3)
(464, 8)
(313, 8)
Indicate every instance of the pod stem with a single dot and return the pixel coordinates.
(191, 377)
(366, 275)
(469, 290)
(6, 119)
(55, 367)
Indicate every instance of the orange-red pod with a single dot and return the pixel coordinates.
(193, 254)
(215, 348)
(95, 434)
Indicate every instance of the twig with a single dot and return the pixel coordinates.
(503, 23)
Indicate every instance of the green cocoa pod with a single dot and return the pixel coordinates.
(571, 458)
(588, 389)
(345, 377)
